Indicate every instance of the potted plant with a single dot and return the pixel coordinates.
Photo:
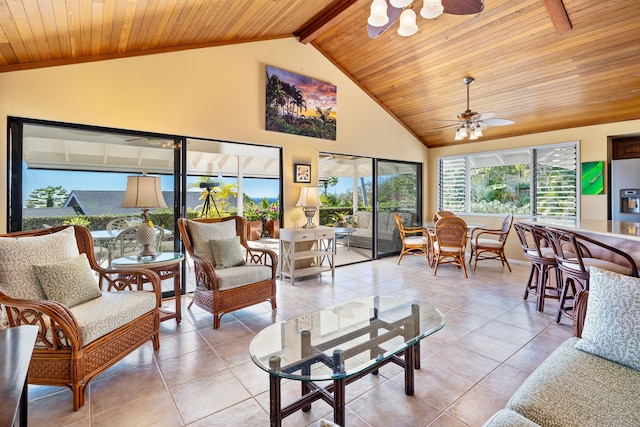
(254, 217)
(273, 221)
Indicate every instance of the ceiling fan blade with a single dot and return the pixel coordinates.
(393, 13)
(498, 122)
(558, 15)
(484, 116)
(462, 7)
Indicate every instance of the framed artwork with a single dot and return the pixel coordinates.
(302, 173)
(300, 105)
(593, 177)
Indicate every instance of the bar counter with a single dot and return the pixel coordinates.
(620, 234)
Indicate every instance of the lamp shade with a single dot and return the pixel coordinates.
(309, 196)
(408, 25)
(143, 192)
(431, 9)
(378, 16)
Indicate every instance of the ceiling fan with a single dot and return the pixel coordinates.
(470, 123)
(385, 12)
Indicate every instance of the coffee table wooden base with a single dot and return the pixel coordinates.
(334, 393)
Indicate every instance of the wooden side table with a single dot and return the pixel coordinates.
(16, 346)
(167, 265)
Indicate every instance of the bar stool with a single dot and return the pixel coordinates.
(533, 240)
(574, 259)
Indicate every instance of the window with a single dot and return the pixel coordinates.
(539, 181)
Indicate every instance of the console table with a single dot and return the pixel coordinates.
(315, 245)
(16, 346)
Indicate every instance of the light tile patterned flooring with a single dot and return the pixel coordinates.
(204, 377)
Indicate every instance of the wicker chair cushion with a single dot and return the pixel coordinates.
(612, 324)
(490, 243)
(416, 240)
(202, 233)
(508, 418)
(227, 252)
(234, 277)
(599, 263)
(17, 256)
(69, 282)
(363, 219)
(575, 388)
(100, 316)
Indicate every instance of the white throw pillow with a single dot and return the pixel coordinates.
(69, 282)
(18, 255)
(612, 323)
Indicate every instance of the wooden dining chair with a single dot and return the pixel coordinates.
(487, 243)
(413, 239)
(450, 242)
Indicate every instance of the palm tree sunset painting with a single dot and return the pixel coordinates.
(300, 105)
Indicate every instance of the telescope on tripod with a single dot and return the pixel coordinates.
(209, 198)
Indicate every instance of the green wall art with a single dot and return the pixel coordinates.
(593, 177)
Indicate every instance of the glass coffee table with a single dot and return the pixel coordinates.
(342, 344)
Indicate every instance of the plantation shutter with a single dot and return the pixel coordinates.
(556, 190)
(453, 179)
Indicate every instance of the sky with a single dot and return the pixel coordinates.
(72, 180)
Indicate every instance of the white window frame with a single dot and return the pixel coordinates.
(533, 213)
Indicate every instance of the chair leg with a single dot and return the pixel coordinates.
(529, 282)
(563, 296)
(503, 256)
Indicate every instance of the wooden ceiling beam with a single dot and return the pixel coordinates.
(323, 21)
(558, 15)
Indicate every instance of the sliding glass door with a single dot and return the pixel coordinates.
(398, 191)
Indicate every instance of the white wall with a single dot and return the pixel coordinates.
(215, 92)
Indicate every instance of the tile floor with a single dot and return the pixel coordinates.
(201, 377)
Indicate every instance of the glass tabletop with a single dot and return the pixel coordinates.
(161, 259)
(343, 340)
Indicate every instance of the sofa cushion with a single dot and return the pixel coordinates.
(508, 418)
(18, 255)
(69, 282)
(100, 316)
(575, 388)
(203, 232)
(227, 252)
(363, 219)
(612, 323)
(233, 277)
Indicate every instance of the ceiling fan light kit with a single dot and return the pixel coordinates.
(408, 25)
(378, 16)
(471, 123)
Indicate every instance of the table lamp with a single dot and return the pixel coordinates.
(309, 200)
(144, 192)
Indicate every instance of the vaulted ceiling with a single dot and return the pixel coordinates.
(541, 76)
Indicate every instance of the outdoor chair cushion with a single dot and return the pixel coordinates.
(69, 282)
(233, 277)
(19, 255)
(612, 323)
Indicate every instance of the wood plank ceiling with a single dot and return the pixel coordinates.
(585, 73)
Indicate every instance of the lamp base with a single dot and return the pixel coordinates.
(146, 237)
(309, 213)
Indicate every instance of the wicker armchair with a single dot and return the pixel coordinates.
(223, 290)
(487, 243)
(413, 239)
(450, 243)
(75, 342)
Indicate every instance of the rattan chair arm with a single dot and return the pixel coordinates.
(205, 273)
(580, 311)
(49, 316)
(475, 237)
(266, 257)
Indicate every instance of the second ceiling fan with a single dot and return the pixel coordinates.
(470, 123)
